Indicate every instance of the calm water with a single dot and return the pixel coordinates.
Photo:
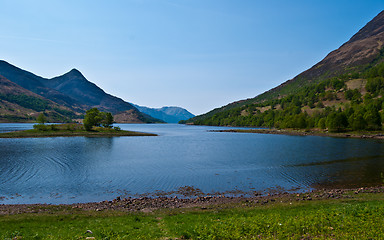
(80, 169)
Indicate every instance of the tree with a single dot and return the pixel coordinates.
(95, 118)
(41, 119)
(107, 120)
(321, 123)
(92, 118)
(357, 122)
(372, 118)
(336, 122)
(299, 121)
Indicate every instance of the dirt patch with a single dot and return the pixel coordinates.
(311, 111)
(263, 109)
(336, 103)
(278, 107)
(358, 84)
(244, 113)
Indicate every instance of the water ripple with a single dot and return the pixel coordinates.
(65, 170)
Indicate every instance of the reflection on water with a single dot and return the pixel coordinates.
(10, 127)
(80, 169)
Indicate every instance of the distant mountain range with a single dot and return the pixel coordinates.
(167, 114)
(348, 82)
(23, 95)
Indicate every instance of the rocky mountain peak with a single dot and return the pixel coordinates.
(372, 28)
(74, 73)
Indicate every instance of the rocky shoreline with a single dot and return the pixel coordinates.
(149, 204)
(292, 132)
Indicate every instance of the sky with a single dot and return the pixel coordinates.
(195, 54)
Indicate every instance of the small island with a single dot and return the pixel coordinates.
(95, 124)
(71, 130)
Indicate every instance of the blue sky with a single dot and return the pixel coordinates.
(197, 54)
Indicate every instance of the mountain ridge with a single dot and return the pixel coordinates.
(20, 104)
(73, 91)
(169, 114)
(362, 48)
(327, 84)
(372, 33)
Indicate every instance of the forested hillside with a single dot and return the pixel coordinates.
(342, 92)
(352, 101)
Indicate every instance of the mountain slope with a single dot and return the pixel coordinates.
(20, 104)
(365, 47)
(75, 85)
(167, 114)
(344, 91)
(364, 50)
(74, 91)
(34, 83)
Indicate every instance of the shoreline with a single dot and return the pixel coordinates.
(326, 214)
(70, 130)
(292, 132)
(201, 202)
(75, 134)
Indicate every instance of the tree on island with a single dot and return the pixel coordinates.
(107, 119)
(41, 119)
(95, 118)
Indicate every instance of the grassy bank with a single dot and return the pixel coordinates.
(70, 130)
(356, 217)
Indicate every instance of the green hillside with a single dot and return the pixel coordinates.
(352, 101)
(342, 92)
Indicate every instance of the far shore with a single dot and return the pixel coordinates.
(312, 132)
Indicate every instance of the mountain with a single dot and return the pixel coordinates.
(75, 85)
(35, 84)
(348, 80)
(365, 47)
(167, 114)
(73, 91)
(19, 104)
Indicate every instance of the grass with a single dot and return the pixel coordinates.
(358, 218)
(70, 130)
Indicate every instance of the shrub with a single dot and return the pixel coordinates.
(41, 127)
(53, 127)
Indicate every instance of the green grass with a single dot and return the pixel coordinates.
(360, 218)
(70, 130)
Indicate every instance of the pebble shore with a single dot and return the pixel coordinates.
(149, 204)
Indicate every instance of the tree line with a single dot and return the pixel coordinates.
(307, 109)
